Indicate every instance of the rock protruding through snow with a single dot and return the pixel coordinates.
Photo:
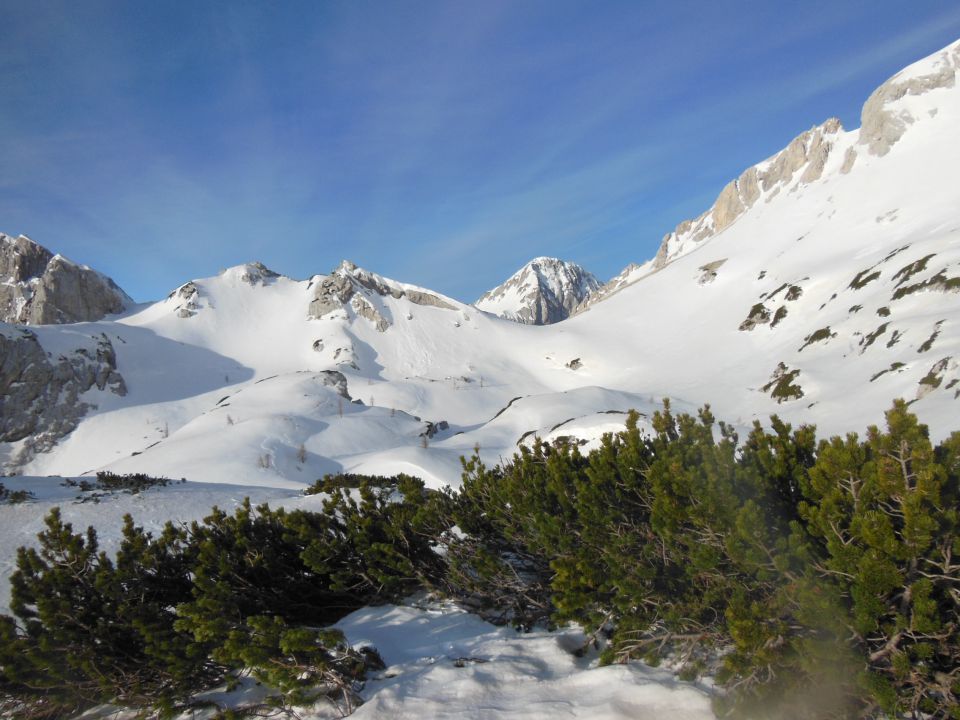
(356, 287)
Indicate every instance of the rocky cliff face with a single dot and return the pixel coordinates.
(544, 291)
(40, 288)
(40, 395)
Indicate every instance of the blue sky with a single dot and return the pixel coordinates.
(438, 143)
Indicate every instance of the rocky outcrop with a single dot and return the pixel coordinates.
(335, 380)
(544, 291)
(40, 288)
(883, 120)
(189, 295)
(255, 273)
(362, 307)
(40, 395)
(354, 287)
(419, 297)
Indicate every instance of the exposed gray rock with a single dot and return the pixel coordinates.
(848, 160)
(882, 122)
(708, 272)
(728, 207)
(22, 259)
(418, 297)
(189, 293)
(331, 294)
(40, 396)
(336, 380)
(364, 309)
(348, 284)
(433, 428)
(40, 288)
(817, 155)
(256, 273)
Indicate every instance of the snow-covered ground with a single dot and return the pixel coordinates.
(441, 661)
(445, 663)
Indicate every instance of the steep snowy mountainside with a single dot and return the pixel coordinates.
(911, 97)
(544, 291)
(40, 288)
(823, 301)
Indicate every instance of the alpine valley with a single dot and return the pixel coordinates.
(823, 283)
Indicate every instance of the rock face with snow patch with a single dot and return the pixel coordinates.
(353, 287)
(40, 396)
(802, 161)
(884, 120)
(189, 295)
(543, 291)
(40, 288)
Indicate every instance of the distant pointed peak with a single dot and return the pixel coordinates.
(545, 290)
(252, 273)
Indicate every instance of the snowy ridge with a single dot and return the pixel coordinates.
(910, 97)
(544, 291)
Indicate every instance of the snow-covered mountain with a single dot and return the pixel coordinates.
(822, 283)
(544, 291)
(40, 288)
(820, 286)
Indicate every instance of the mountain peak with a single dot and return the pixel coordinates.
(544, 291)
(352, 286)
(254, 273)
(38, 287)
(896, 104)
